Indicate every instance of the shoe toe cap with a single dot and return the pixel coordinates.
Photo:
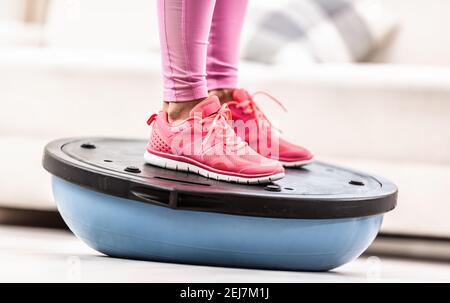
(266, 169)
(295, 153)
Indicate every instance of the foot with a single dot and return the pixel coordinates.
(206, 144)
(260, 134)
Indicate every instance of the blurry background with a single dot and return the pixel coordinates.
(366, 83)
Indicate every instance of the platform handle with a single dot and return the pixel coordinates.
(156, 196)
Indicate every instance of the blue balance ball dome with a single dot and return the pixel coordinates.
(315, 219)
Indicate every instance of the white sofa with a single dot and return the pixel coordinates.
(16, 27)
(391, 118)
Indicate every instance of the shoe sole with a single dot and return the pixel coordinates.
(187, 167)
(296, 163)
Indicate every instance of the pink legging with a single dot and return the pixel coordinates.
(199, 46)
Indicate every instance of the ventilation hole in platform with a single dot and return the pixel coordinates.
(273, 187)
(132, 169)
(108, 161)
(288, 188)
(356, 183)
(87, 146)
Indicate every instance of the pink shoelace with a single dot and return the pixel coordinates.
(220, 125)
(249, 106)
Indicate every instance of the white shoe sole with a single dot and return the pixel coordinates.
(296, 164)
(183, 166)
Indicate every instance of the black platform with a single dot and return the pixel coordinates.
(316, 191)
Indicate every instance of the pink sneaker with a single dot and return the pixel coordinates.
(206, 144)
(262, 137)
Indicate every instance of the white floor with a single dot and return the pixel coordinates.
(43, 255)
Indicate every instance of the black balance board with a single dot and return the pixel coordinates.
(315, 191)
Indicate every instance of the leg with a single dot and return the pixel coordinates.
(223, 49)
(184, 26)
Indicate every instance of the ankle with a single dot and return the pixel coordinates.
(179, 111)
(224, 94)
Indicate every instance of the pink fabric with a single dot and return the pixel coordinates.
(209, 142)
(263, 138)
(199, 46)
